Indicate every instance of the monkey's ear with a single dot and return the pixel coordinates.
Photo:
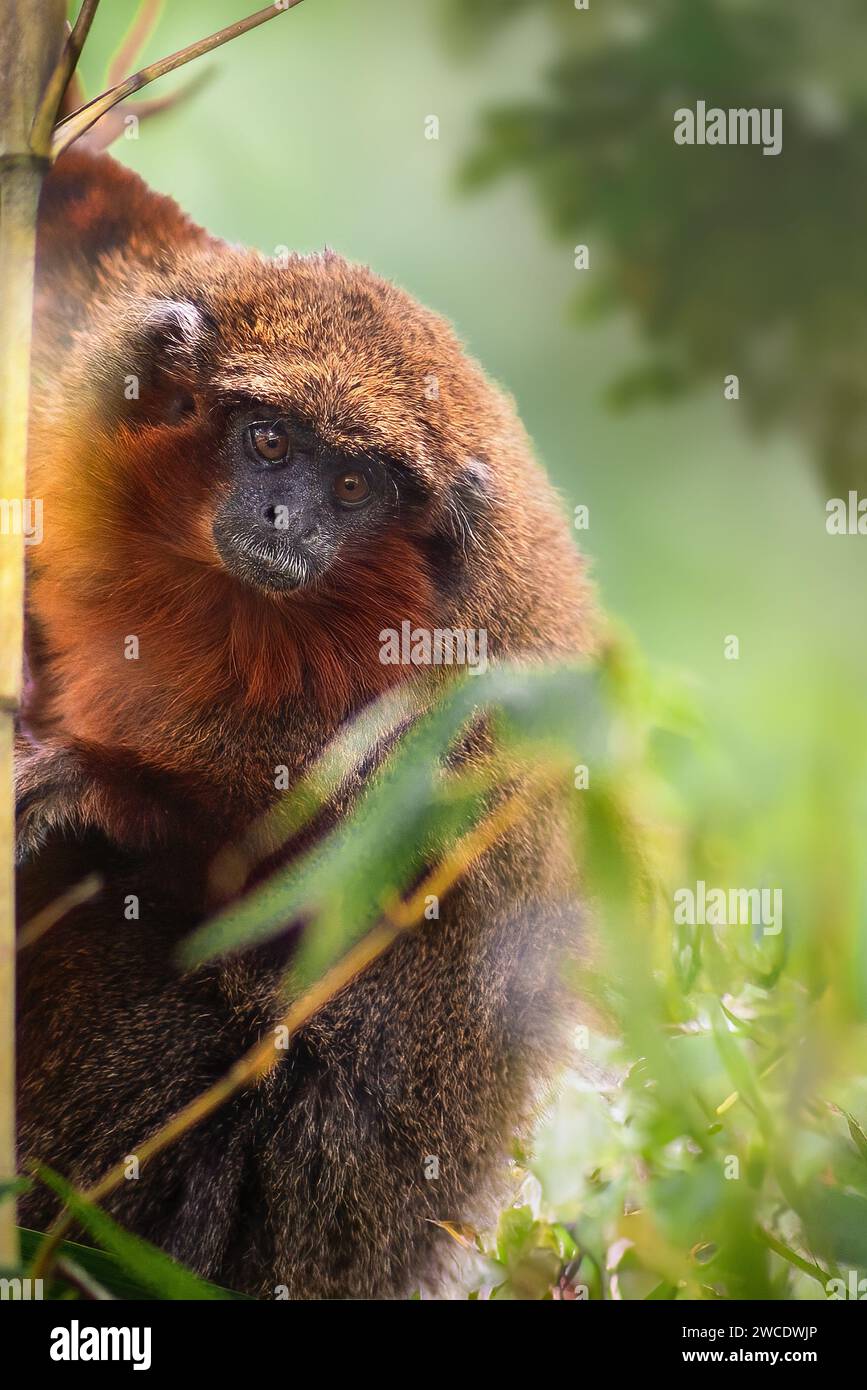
(467, 504)
(461, 524)
(165, 369)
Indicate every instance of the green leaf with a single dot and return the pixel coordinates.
(836, 1223)
(663, 1292)
(149, 1267)
(859, 1138)
(515, 1230)
(410, 814)
(13, 1187)
(107, 1269)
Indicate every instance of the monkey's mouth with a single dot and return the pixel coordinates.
(264, 564)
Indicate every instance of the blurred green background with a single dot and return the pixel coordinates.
(311, 132)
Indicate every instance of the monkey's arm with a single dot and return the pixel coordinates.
(98, 221)
(67, 789)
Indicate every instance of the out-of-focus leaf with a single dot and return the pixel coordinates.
(836, 1224)
(409, 813)
(146, 1264)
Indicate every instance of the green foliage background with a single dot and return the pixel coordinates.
(746, 772)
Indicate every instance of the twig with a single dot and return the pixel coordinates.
(134, 40)
(107, 129)
(75, 125)
(43, 125)
(44, 920)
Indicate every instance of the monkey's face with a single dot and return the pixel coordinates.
(291, 505)
(289, 427)
(258, 468)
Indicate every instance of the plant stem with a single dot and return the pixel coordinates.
(75, 125)
(43, 123)
(19, 196)
(31, 39)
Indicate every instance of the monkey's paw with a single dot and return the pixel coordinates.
(62, 791)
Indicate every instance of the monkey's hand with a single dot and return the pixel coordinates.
(64, 790)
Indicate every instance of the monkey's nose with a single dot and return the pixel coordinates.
(282, 520)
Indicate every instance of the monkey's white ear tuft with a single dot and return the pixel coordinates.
(471, 493)
(165, 372)
(475, 477)
(176, 322)
(466, 506)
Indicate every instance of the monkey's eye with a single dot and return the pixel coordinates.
(270, 440)
(351, 489)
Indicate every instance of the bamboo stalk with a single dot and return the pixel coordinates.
(31, 42)
(19, 193)
(55, 911)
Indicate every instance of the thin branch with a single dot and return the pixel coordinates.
(260, 1059)
(134, 40)
(74, 97)
(44, 920)
(74, 126)
(52, 97)
(110, 126)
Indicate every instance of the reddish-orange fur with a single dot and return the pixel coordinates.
(128, 549)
